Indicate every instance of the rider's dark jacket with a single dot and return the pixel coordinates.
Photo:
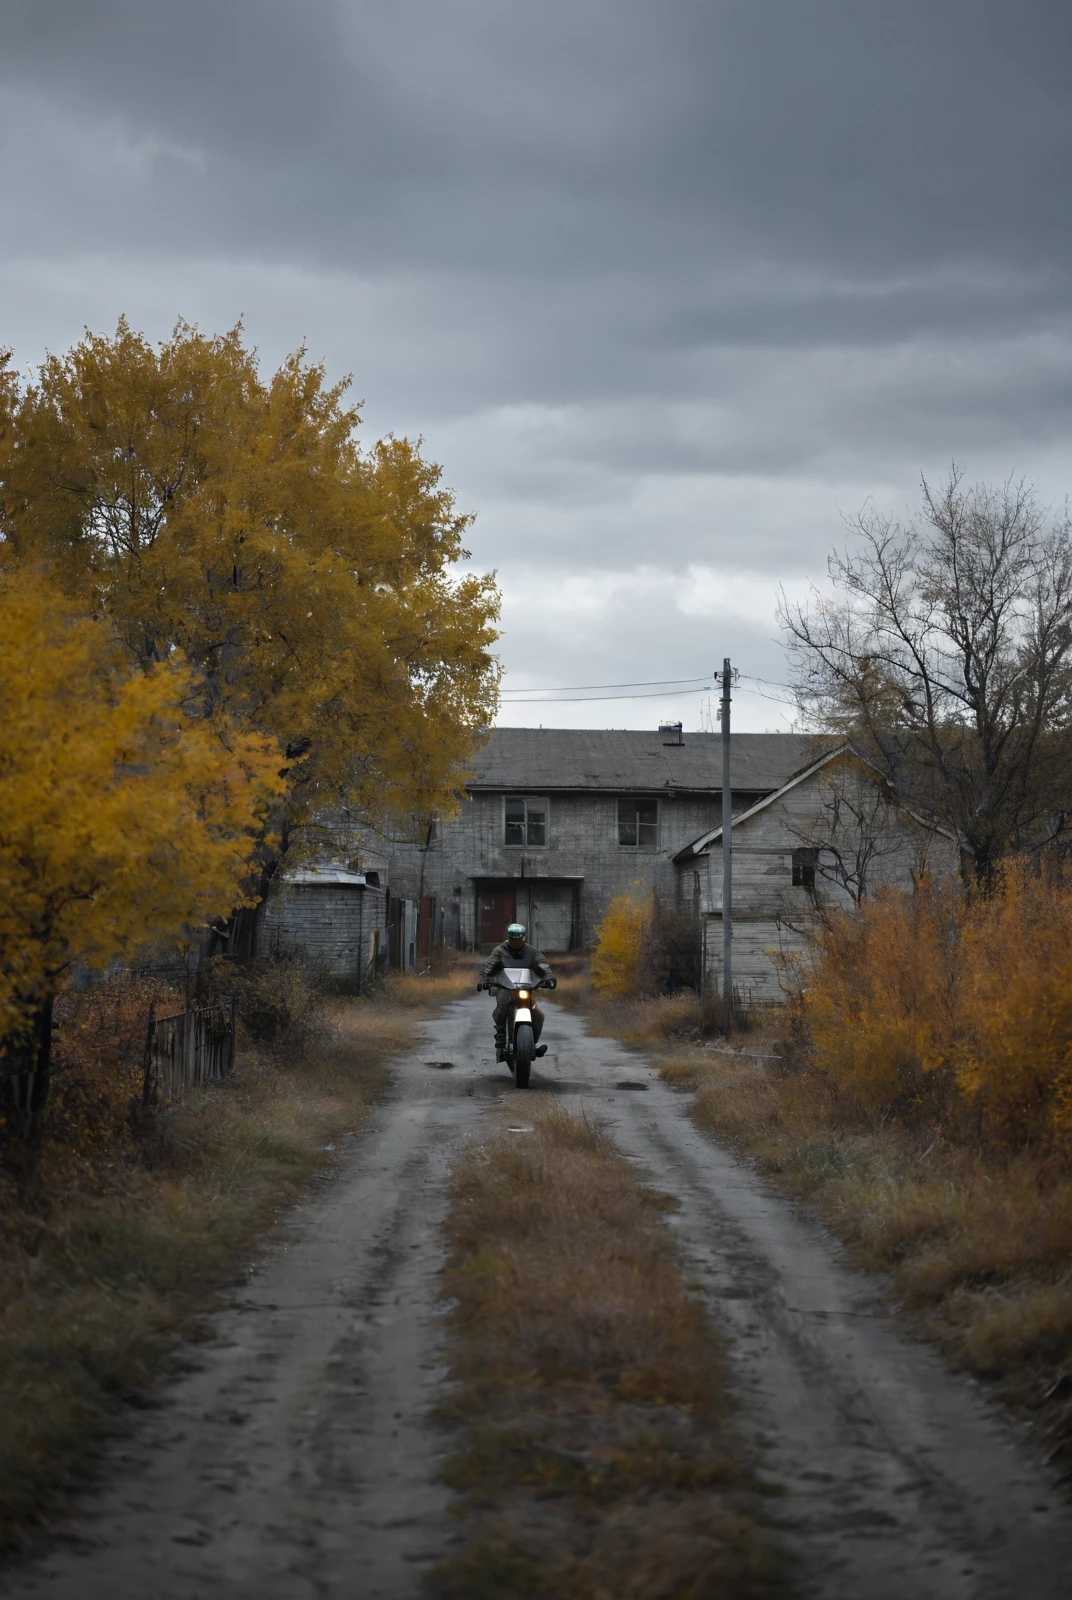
(502, 956)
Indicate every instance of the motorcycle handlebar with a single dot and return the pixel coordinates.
(544, 983)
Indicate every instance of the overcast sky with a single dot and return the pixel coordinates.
(667, 286)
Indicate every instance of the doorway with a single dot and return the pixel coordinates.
(498, 908)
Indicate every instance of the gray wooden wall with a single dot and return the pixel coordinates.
(337, 928)
(770, 916)
(582, 845)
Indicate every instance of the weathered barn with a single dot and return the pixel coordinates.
(556, 822)
(832, 833)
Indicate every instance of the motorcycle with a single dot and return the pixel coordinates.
(520, 1040)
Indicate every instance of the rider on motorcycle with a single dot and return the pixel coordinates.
(515, 951)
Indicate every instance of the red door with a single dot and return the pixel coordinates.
(498, 908)
(426, 925)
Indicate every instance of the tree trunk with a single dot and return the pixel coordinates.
(240, 936)
(25, 1077)
(42, 1077)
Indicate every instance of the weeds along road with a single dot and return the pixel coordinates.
(297, 1458)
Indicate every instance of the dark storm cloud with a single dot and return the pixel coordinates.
(667, 283)
(581, 133)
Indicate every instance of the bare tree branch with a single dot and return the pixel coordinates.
(945, 652)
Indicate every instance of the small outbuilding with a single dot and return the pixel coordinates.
(831, 835)
(333, 917)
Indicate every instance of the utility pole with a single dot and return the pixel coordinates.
(727, 854)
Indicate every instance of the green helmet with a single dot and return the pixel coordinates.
(515, 933)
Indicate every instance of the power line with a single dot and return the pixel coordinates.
(777, 699)
(771, 683)
(645, 683)
(581, 699)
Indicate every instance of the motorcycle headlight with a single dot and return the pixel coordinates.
(522, 994)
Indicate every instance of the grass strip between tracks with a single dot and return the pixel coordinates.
(597, 1458)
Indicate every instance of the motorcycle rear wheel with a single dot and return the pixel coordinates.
(524, 1047)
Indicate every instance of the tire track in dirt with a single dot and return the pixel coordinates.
(898, 1478)
(298, 1458)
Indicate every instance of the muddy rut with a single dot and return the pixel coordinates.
(295, 1457)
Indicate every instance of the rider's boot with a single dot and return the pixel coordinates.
(540, 1050)
(500, 1047)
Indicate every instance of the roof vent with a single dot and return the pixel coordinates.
(671, 732)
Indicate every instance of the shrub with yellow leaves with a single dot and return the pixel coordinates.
(880, 1000)
(1014, 1050)
(620, 941)
(950, 1008)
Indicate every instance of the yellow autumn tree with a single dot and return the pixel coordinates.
(312, 585)
(125, 812)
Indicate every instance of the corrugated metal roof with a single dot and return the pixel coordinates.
(533, 760)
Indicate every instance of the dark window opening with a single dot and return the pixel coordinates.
(638, 821)
(804, 863)
(525, 821)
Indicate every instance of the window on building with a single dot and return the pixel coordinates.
(804, 863)
(526, 821)
(638, 821)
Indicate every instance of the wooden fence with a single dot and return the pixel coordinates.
(190, 1047)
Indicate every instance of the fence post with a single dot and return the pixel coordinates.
(148, 1084)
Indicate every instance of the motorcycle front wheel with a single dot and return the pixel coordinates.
(524, 1047)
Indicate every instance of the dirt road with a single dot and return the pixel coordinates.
(296, 1459)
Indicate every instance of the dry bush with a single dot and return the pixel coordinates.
(880, 1000)
(597, 1460)
(934, 1008)
(644, 949)
(280, 1001)
(98, 1063)
(618, 954)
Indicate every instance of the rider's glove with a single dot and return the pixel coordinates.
(480, 985)
(552, 983)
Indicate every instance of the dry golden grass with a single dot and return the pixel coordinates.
(106, 1263)
(647, 1022)
(411, 989)
(597, 1460)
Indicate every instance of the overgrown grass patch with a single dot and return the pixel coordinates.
(597, 1457)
